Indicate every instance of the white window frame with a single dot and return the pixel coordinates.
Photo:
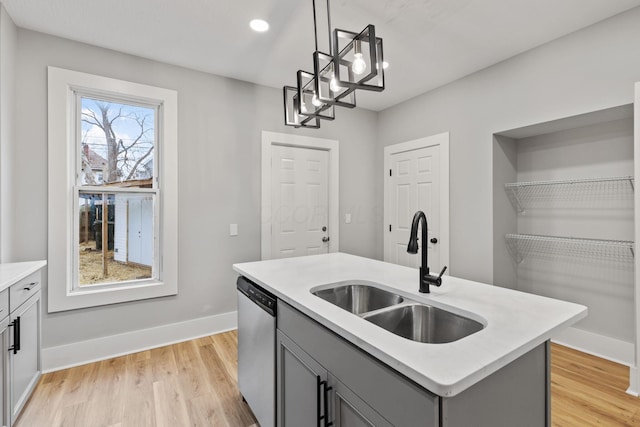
(63, 191)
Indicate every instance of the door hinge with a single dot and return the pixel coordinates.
(390, 172)
(389, 227)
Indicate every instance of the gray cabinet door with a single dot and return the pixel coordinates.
(4, 372)
(25, 364)
(348, 410)
(298, 391)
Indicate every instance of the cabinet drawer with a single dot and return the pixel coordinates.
(20, 291)
(4, 303)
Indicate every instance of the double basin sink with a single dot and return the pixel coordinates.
(399, 315)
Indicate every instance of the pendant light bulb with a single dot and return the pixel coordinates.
(303, 107)
(333, 84)
(316, 101)
(359, 65)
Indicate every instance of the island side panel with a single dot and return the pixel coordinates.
(516, 395)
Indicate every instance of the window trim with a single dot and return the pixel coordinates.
(62, 87)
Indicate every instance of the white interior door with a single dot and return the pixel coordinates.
(417, 180)
(299, 201)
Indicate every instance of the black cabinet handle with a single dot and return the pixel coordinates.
(16, 339)
(326, 405)
(30, 286)
(322, 402)
(434, 240)
(318, 398)
(16, 335)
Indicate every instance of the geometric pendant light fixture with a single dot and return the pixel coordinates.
(355, 61)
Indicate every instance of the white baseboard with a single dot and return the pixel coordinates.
(599, 345)
(80, 353)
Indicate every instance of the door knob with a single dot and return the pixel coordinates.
(325, 239)
(434, 240)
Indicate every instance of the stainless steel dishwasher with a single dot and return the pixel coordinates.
(257, 350)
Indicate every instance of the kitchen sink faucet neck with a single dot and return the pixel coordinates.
(426, 279)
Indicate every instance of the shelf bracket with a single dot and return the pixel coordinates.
(512, 193)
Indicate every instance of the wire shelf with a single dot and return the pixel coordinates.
(611, 192)
(522, 245)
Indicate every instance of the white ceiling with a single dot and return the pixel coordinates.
(428, 43)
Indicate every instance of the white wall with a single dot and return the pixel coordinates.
(589, 70)
(220, 124)
(8, 41)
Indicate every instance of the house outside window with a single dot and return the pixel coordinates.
(113, 184)
(115, 149)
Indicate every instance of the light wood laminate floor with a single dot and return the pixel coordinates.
(187, 384)
(589, 391)
(194, 384)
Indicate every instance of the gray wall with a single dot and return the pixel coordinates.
(220, 124)
(589, 70)
(505, 161)
(8, 41)
(605, 285)
(219, 130)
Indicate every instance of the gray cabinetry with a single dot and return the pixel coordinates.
(349, 410)
(303, 385)
(25, 361)
(298, 384)
(356, 382)
(362, 391)
(4, 359)
(24, 342)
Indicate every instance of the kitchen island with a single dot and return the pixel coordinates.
(502, 368)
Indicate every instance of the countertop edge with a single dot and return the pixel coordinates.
(13, 272)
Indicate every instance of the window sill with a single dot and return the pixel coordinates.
(106, 295)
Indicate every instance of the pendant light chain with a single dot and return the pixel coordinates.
(328, 27)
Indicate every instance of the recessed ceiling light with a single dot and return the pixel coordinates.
(259, 25)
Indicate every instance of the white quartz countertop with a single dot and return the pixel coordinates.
(10, 273)
(515, 322)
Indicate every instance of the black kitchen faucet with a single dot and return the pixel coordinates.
(425, 278)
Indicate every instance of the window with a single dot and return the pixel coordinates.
(112, 191)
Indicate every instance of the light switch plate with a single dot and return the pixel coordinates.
(233, 229)
(347, 218)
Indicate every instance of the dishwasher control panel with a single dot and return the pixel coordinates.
(257, 294)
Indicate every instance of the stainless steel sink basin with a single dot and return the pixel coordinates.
(424, 323)
(359, 298)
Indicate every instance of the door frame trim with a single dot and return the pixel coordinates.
(441, 139)
(332, 147)
(634, 372)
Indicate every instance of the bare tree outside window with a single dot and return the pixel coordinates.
(116, 150)
(117, 142)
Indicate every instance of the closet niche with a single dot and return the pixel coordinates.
(564, 222)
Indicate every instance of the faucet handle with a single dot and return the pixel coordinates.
(442, 272)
